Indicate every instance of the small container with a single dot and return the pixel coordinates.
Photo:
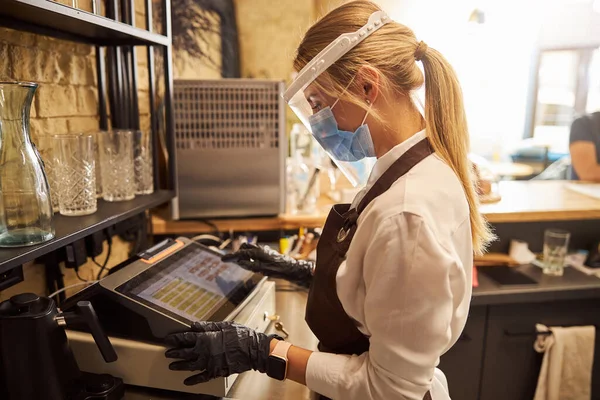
(487, 183)
(142, 161)
(556, 245)
(116, 164)
(301, 195)
(76, 174)
(301, 140)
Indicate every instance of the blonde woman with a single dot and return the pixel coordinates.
(391, 287)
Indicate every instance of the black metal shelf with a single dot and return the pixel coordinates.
(69, 229)
(64, 22)
(49, 18)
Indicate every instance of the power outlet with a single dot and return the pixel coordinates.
(94, 244)
(75, 254)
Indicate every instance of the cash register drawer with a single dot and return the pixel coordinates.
(144, 364)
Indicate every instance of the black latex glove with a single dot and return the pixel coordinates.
(271, 263)
(218, 349)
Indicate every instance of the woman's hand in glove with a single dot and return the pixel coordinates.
(271, 263)
(218, 349)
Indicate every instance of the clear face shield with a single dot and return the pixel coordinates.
(357, 172)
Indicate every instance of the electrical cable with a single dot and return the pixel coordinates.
(215, 228)
(198, 238)
(103, 267)
(60, 283)
(225, 244)
(71, 286)
(79, 277)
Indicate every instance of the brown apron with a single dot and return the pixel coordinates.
(325, 315)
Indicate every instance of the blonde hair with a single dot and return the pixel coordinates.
(392, 51)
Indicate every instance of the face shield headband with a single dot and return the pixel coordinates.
(356, 171)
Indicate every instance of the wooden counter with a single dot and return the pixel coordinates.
(531, 201)
(522, 201)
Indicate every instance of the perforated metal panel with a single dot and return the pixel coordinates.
(229, 148)
(227, 114)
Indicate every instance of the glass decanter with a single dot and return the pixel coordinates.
(25, 204)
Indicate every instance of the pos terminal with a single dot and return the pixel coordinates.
(162, 291)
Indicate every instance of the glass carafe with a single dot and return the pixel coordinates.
(25, 202)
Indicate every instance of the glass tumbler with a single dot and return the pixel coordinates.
(556, 244)
(45, 146)
(116, 163)
(96, 136)
(76, 174)
(142, 160)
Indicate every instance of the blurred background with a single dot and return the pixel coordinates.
(528, 68)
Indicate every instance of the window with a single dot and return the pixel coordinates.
(568, 85)
(593, 98)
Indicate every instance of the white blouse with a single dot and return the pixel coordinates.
(407, 284)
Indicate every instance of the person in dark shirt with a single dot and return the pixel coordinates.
(585, 147)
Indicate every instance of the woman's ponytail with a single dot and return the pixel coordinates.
(447, 131)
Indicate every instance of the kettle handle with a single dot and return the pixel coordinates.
(86, 314)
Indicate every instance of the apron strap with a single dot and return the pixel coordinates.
(401, 166)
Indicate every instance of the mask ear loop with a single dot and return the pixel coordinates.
(345, 90)
(367, 113)
(335, 102)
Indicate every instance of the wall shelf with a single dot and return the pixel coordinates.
(70, 229)
(114, 38)
(64, 22)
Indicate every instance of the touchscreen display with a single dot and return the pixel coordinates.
(192, 283)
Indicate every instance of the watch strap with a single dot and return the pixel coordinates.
(277, 363)
(281, 349)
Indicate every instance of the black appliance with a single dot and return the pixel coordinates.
(36, 361)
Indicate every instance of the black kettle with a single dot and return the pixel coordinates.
(36, 361)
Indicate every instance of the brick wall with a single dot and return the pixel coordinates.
(66, 100)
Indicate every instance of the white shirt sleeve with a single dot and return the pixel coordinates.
(408, 308)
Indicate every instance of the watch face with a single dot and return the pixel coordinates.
(276, 367)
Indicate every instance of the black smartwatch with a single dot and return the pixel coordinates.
(277, 363)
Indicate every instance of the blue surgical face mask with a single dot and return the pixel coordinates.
(343, 145)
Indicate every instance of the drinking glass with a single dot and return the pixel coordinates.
(96, 136)
(45, 146)
(75, 173)
(556, 244)
(142, 159)
(116, 163)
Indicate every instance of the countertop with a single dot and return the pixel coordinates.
(291, 303)
(573, 285)
(531, 201)
(522, 201)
